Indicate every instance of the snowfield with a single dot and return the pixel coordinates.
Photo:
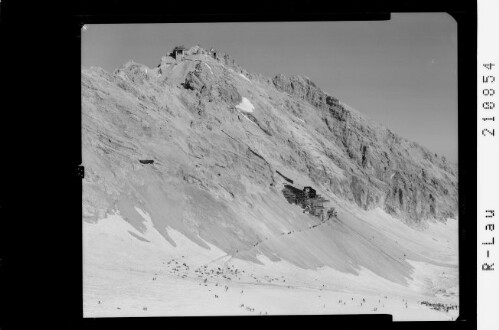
(126, 276)
(245, 105)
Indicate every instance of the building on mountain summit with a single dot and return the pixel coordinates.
(178, 52)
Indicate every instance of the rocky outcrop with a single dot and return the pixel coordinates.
(198, 80)
(388, 171)
(225, 58)
(305, 89)
(228, 93)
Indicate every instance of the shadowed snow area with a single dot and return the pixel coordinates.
(203, 228)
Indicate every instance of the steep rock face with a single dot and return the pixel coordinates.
(305, 89)
(387, 170)
(197, 80)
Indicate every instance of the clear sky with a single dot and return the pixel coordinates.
(401, 73)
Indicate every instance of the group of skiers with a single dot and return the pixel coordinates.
(439, 306)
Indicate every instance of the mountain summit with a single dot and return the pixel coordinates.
(202, 147)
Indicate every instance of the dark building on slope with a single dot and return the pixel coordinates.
(307, 199)
(178, 52)
(309, 192)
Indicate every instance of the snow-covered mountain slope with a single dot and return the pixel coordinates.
(217, 135)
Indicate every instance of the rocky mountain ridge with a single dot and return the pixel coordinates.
(378, 168)
(388, 168)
